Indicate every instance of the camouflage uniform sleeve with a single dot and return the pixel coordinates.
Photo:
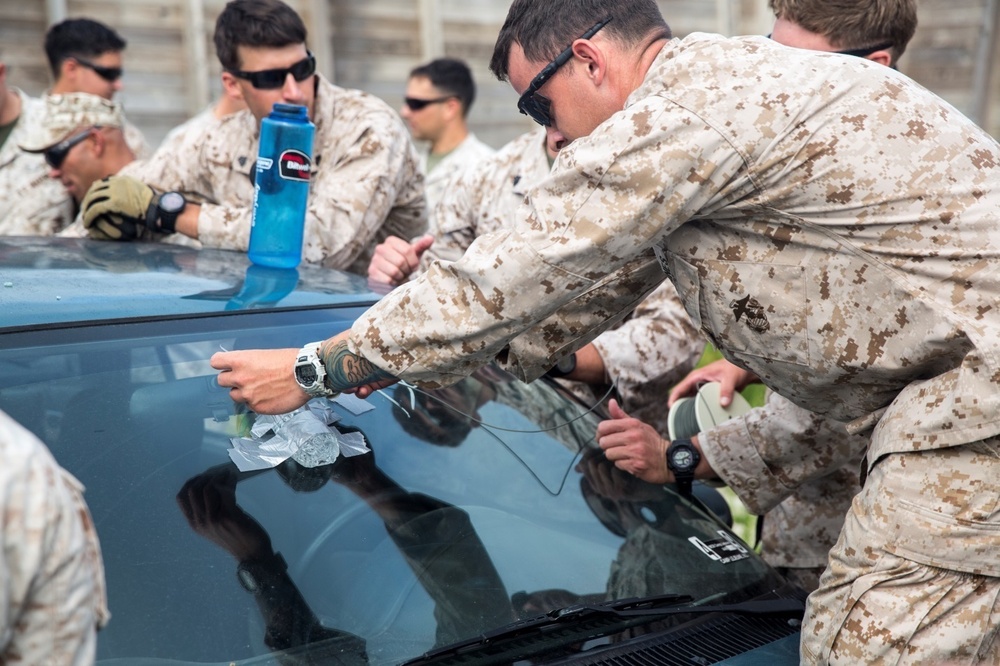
(770, 452)
(602, 206)
(53, 598)
(651, 351)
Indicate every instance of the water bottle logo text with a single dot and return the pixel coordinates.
(294, 165)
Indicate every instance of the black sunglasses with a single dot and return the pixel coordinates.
(269, 79)
(867, 51)
(415, 103)
(860, 53)
(538, 107)
(56, 155)
(109, 74)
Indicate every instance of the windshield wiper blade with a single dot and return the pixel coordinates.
(582, 614)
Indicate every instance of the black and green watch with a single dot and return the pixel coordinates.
(682, 459)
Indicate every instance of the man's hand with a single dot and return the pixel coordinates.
(116, 208)
(731, 378)
(395, 259)
(633, 446)
(262, 378)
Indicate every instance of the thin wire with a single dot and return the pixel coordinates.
(489, 428)
(562, 482)
(591, 409)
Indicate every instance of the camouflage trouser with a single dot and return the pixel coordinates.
(915, 575)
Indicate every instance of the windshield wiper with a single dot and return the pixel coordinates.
(578, 618)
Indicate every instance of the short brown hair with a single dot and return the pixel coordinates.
(854, 24)
(255, 23)
(543, 28)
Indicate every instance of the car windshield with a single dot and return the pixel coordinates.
(478, 505)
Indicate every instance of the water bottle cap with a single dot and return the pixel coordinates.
(289, 109)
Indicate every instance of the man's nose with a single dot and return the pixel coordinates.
(291, 92)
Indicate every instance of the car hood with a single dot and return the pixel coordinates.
(47, 282)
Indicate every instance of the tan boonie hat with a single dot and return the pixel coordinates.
(64, 114)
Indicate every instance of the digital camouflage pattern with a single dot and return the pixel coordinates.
(65, 114)
(31, 203)
(53, 598)
(797, 469)
(366, 183)
(930, 596)
(485, 197)
(647, 354)
(830, 224)
(451, 166)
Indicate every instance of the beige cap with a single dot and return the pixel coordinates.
(67, 113)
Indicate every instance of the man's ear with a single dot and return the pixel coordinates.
(231, 87)
(882, 57)
(68, 69)
(98, 141)
(593, 58)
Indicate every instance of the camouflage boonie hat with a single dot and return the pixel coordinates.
(66, 113)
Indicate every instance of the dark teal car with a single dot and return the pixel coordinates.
(483, 526)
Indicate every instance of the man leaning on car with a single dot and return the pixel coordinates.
(366, 183)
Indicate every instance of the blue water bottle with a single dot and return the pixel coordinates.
(281, 187)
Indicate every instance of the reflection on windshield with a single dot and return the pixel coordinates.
(436, 539)
(482, 503)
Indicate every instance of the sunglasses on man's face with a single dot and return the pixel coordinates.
(416, 104)
(56, 155)
(539, 107)
(270, 79)
(109, 74)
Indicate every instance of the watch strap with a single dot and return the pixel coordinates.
(158, 219)
(683, 475)
(565, 366)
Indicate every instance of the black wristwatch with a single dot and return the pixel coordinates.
(682, 459)
(163, 213)
(565, 366)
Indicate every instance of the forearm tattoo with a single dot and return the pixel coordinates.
(345, 369)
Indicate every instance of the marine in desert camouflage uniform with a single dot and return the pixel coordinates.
(366, 182)
(805, 468)
(828, 223)
(53, 597)
(365, 185)
(31, 203)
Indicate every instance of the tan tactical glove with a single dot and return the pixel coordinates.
(116, 208)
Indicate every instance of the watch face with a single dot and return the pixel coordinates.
(306, 374)
(682, 458)
(172, 202)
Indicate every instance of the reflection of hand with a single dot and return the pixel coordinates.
(115, 208)
(608, 481)
(208, 501)
(730, 377)
(633, 446)
(395, 259)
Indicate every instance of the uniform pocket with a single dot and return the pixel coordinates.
(749, 309)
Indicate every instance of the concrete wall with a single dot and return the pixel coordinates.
(172, 72)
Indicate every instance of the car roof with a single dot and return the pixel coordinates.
(55, 282)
